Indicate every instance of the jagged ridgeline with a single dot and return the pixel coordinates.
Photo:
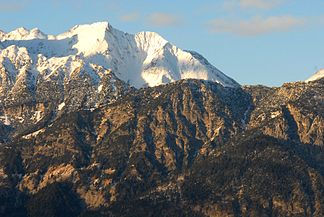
(113, 124)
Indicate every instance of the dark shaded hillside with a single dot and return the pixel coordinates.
(259, 176)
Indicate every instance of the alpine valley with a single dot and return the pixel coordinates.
(98, 122)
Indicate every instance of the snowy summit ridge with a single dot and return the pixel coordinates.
(143, 59)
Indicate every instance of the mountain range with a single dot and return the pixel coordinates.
(98, 122)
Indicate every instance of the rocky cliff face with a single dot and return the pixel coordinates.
(293, 111)
(189, 148)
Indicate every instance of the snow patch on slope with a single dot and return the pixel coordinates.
(34, 134)
(318, 75)
(61, 106)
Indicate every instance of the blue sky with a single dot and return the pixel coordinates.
(254, 41)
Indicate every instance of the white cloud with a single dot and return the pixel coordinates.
(251, 4)
(164, 20)
(12, 6)
(261, 4)
(256, 25)
(131, 17)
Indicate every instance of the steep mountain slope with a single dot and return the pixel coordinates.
(189, 148)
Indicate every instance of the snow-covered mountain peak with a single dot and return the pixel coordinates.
(143, 59)
(318, 75)
(18, 33)
(89, 39)
(23, 34)
(36, 33)
(91, 30)
(98, 26)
